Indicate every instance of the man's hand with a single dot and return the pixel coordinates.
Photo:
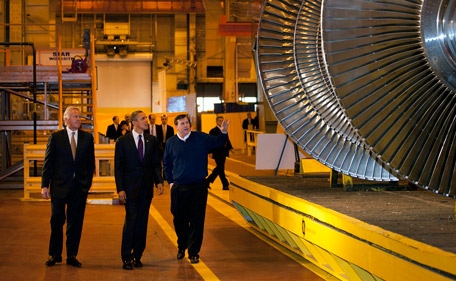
(122, 197)
(224, 126)
(160, 188)
(45, 193)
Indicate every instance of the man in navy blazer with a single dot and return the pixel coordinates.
(137, 170)
(66, 179)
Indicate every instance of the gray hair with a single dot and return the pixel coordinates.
(66, 114)
(134, 115)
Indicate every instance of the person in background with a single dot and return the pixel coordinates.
(127, 121)
(185, 164)
(256, 120)
(124, 128)
(152, 130)
(114, 131)
(248, 121)
(164, 132)
(219, 154)
(67, 175)
(137, 170)
(248, 124)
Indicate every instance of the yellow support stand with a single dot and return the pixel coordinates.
(310, 165)
(347, 182)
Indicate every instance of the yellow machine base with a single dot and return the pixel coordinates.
(347, 248)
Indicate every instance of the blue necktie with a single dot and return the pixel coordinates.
(140, 148)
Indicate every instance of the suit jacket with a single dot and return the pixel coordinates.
(59, 168)
(169, 133)
(112, 133)
(148, 130)
(222, 151)
(130, 173)
(253, 122)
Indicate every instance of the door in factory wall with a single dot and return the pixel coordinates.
(124, 84)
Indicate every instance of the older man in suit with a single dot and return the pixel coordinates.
(137, 170)
(67, 176)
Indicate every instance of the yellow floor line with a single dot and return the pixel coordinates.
(200, 267)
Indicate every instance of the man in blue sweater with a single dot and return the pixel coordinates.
(185, 165)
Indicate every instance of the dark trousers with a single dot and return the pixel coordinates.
(219, 170)
(134, 232)
(188, 206)
(75, 204)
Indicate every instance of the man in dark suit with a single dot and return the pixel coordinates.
(248, 124)
(114, 131)
(137, 170)
(164, 132)
(152, 126)
(219, 154)
(67, 176)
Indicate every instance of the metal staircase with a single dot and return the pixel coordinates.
(41, 93)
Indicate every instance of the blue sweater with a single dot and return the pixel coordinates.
(185, 162)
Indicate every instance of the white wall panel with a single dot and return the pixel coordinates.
(124, 84)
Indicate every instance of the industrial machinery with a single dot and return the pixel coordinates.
(366, 88)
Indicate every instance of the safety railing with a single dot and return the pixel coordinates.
(252, 140)
(103, 179)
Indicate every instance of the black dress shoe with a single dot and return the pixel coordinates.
(74, 262)
(137, 263)
(226, 188)
(127, 265)
(53, 260)
(194, 259)
(180, 254)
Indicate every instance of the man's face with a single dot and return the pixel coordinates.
(183, 127)
(152, 119)
(74, 121)
(141, 122)
(164, 120)
(219, 122)
(117, 120)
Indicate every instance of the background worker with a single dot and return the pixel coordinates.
(219, 154)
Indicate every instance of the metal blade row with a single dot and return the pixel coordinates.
(365, 87)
